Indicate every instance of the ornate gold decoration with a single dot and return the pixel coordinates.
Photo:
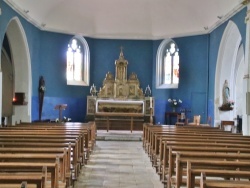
(119, 94)
(245, 2)
(120, 87)
(116, 107)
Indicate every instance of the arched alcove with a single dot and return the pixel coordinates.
(230, 63)
(22, 68)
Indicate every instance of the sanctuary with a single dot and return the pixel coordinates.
(120, 101)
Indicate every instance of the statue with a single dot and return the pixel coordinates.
(41, 91)
(225, 92)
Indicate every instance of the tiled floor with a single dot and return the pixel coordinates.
(118, 164)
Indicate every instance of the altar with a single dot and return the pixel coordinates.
(120, 102)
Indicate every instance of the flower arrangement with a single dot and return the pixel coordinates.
(174, 103)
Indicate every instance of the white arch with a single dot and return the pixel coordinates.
(22, 68)
(230, 56)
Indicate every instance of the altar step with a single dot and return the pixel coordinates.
(119, 135)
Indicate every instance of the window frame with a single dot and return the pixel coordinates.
(85, 63)
(160, 65)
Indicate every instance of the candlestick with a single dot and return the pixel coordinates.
(151, 116)
(150, 103)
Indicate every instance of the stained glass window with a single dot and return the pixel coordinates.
(77, 71)
(167, 65)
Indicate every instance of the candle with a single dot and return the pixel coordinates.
(150, 104)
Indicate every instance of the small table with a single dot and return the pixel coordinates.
(60, 107)
(169, 116)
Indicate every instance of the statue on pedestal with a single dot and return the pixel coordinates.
(225, 92)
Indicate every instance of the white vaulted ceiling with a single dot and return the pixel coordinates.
(127, 19)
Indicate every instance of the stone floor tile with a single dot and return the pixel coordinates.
(118, 164)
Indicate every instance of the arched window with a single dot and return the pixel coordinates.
(167, 65)
(77, 71)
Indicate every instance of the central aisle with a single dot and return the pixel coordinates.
(118, 164)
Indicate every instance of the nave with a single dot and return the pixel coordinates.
(118, 164)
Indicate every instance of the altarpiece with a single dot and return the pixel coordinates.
(120, 94)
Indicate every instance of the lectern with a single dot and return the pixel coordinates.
(60, 107)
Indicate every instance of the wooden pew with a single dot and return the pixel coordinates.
(18, 178)
(178, 142)
(148, 129)
(31, 134)
(178, 132)
(52, 168)
(196, 143)
(183, 157)
(157, 152)
(76, 144)
(16, 157)
(23, 143)
(173, 155)
(46, 136)
(204, 183)
(194, 148)
(214, 169)
(87, 129)
(154, 135)
(90, 127)
(39, 179)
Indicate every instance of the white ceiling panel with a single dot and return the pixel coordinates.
(127, 19)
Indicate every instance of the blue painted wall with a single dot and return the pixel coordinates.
(193, 52)
(198, 56)
(103, 54)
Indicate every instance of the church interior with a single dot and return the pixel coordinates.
(124, 94)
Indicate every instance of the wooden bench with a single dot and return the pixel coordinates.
(183, 157)
(18, 178)
(76, 139)
(87, 129)
(76, 144)
(196, 142)
(211, 141)
(157, 134)
(52, 168)
(204, 183)
(153, 138)
(21, 144)
(65, 164)
(229, 172)
(157, 150)
(16, 157)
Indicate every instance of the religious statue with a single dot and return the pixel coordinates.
(225, 92)
(41, 91)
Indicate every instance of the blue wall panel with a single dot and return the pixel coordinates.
(193, 53)
(75, 110)
(137, 52)
(103, 54)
